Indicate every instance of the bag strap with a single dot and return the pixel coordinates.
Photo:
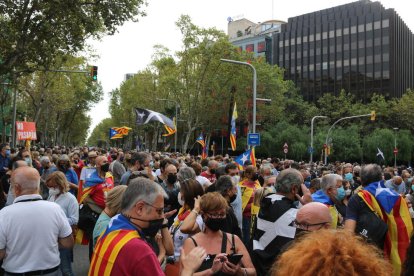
(224, 243)
(195, 243)
(233, 244)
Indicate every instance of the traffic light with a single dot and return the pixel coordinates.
(373, 115)
(94, 73)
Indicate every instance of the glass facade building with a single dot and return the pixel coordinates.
(360, 47)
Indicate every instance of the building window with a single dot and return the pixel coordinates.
(353, 29)
(305, 39)
(292, 41)
(360, 28)
(298, 40)
(339, 63)
(369, 43)
(346, 62)
(318, 36)
(385, 57)
(311, 37)
(305, 53)
(377, 25)
(324, 35)
(346, 31)
(353, 61)
(369, 59)
(346, 46)
(311, 67)
(385, 23)
(324, 66)
(331, 34)
(386, 74)
(385, 40)
(368, 26)
(250, 48)
(261, 47)
(281, 43)
(361, 44)
(338, 32)
(361, 60)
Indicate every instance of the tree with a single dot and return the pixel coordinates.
(35, 32)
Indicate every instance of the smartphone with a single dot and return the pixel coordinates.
(235, 258)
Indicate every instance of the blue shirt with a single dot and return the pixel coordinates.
(125, 177)
(398, 188)
(4, 163)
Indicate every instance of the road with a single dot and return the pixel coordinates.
(80, 260)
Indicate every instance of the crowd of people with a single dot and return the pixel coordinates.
(155, 213)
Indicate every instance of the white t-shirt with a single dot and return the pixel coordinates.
(179, 237)
(29, 232)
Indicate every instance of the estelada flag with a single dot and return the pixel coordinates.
(170, 131)
(393, 210)
(233, 129)
(247, 155)
(200, 140)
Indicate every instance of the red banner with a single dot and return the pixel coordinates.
(26, 130)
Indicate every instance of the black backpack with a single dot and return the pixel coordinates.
(370, 226)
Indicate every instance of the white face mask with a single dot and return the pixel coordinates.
(348, 192)
(53, 191)
(236, 179)
(180, 200)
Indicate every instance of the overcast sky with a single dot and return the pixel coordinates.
(130, 50)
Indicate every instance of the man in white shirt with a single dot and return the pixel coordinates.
(32, 229)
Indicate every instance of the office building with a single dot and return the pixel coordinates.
(360, 47)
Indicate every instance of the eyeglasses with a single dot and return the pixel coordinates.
(305, 226)
(216, 215)
(160, 211)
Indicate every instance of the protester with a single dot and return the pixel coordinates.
(172, 187)
(65, 166)
(47, 167)
(4, 158)
(277, 211)
(58, 193)
(77, 164)
(248, 186)
(112, 208)
(142, 214)
(390, 209)
(331, 252)
(312, 217)
(218, 244)
(140, 162)
(116, 167)
(31, 229)
(210, 174)
(201, 179)
(232, 170)
(330, 194)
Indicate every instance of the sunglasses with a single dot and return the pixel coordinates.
(305, 226)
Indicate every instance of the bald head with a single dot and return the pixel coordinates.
(314, 215)
(25, 180)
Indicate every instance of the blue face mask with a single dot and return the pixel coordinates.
(348, 176)
(341, 194)
(412, 187)
(7, 152)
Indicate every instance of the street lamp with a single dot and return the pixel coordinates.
(395, 146)
(254, 87)
(311, 143)
(177, 105)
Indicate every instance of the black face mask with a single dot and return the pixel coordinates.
(172, 178)
(214, 224)
(105, 167)
(113, 156)
(153, 227)
(213, 171)
(233, 198)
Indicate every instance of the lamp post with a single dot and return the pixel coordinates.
(254, 87)
(177, 105)
(311, 143)
(395, 146)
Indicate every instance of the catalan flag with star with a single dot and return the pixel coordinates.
(247, 155)
(393, 210)
(170, 131)
(233, 129)
(202, 142)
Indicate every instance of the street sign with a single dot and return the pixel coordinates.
(310, 149)
(395, 151)
(253, 139)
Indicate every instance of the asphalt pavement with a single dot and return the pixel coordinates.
(80, 263)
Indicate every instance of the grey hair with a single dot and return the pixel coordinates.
(329, 181)
(223, 184)
(141, 189)
(265, 167)
(211, 163)
(370, 173)
(44, 159)
(64, 157)
(185, 174)
(287, 179)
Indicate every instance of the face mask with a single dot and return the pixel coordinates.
(233, 198)
(152, 164)
(348, 176)
(348, 192)
(412, 187)
(213, 171)
(121, 159)
(113, 156)
(53, 192)
(105, 167)
(28, 161)
(180, 200)
(236, 179)
(341, 193)
(172, 178)
(214, 223)
(7, 152)
(153, 227)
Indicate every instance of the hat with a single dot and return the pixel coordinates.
(92, 154)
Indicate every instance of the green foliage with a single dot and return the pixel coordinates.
(101, 132)
(34, 33)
